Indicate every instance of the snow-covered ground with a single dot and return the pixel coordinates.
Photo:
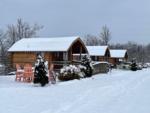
(115, 92)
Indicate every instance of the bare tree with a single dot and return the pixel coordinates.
(12, 34)
(147, 50)
(21, 30)
(91, 40)
(138, 51)
(3, 47)
(105, 35)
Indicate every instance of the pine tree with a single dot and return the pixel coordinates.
(87, 62)
(133, 65)
(40, 72)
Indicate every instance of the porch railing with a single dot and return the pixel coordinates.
(59, 64)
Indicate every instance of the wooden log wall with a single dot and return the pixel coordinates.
(23, 58)
(101, 58)
(112, 61)
(48, 57)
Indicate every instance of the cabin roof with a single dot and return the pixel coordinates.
(97, 50)
(43, 44)
(118, 53)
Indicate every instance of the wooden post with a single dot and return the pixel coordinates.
(80, 52)
(65, 57)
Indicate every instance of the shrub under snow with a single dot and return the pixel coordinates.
(69, 73)
(85, 69)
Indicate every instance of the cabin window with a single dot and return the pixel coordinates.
(65, 56)
(58, 56)
(76, 49)
(94, 58)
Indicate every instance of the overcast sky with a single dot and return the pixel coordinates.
(128, 20)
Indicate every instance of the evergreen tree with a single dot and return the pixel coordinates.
(87, 62)
(40, 72)
(133, 65)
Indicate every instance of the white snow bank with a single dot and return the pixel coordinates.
(115, 92)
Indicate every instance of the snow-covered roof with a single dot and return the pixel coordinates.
(43, 44)
(97, 50)
(118, 53)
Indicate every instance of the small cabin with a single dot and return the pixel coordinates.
(118, 56)
(99, 53)
(57, 51)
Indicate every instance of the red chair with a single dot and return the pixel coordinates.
(19, 73)
(52, 77)
(28, 73)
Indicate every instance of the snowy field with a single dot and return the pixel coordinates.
(115, 92)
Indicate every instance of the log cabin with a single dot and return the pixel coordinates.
(99, 53)
(57, 51)
(118, 56)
